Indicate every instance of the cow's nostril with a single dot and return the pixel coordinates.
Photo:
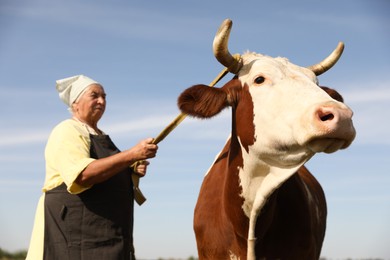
(327, 117)
(326, 113)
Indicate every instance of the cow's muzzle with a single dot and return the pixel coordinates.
(331, 128)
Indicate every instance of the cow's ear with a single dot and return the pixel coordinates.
(333, 93)
(202, 101)
(233, 89)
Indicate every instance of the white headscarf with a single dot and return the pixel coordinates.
(69, 89)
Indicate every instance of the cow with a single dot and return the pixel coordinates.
(257, 200)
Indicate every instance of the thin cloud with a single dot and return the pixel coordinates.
(23, 138)
(355, 22)
(113, 21)
(370, 94)
(374, 199)
(19, 182)
(147, 123)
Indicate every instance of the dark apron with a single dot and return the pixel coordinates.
(95, 224)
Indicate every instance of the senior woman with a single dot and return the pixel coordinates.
(86, 210)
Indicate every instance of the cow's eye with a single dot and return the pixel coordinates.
(259, 80)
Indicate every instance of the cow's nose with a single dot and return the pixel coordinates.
(331, 116)
(334, 121)
(331, 127)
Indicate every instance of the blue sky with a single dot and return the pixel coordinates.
(145, 53)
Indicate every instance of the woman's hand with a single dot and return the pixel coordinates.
(141, 167)
(145, 149)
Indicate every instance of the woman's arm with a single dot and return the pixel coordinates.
(102, 169)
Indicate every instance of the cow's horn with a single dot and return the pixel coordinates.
(220, 48)
(329, 61)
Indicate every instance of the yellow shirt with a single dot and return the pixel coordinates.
(67, 154)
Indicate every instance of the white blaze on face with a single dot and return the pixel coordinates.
(285, 106)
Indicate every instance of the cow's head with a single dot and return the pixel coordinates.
(280, 112)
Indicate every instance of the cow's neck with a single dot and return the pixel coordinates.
(258, 181)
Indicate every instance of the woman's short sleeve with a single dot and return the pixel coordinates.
(67, 154)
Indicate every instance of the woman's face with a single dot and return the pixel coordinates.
(91, 105)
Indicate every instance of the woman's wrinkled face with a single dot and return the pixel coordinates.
(90, 106)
